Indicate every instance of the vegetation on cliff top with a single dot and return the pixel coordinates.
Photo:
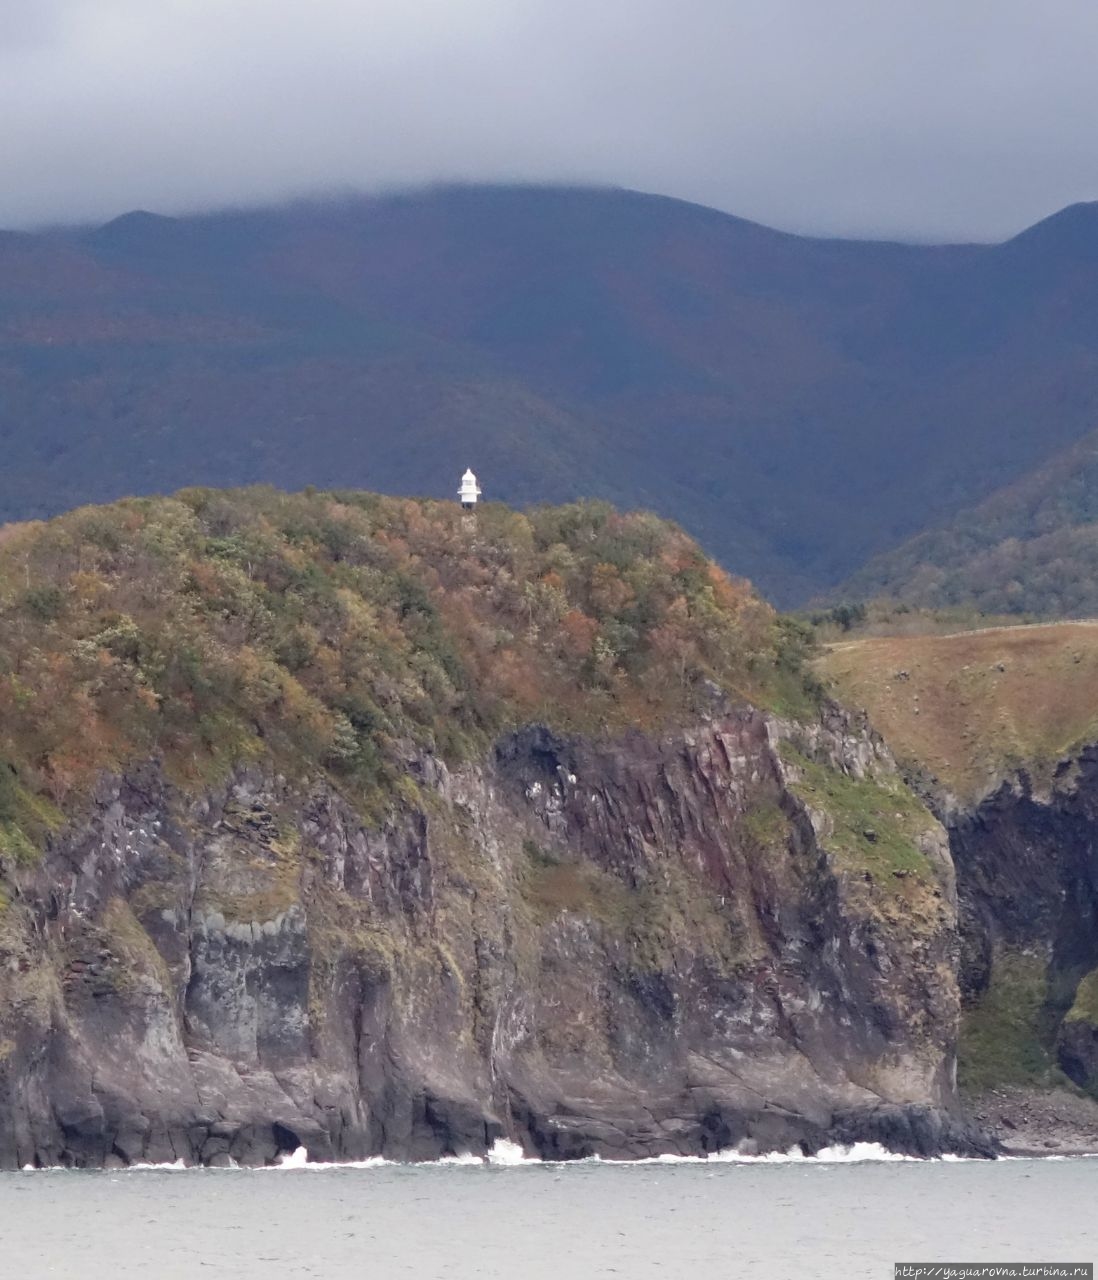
(970, 709)
(341, 631)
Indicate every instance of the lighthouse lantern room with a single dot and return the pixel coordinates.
(469, 492)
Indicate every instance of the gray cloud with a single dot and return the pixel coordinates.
(931, 119)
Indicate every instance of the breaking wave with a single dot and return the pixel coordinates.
(299, 1159)
(856, 1153)
(505, 1153)
(502, 1152)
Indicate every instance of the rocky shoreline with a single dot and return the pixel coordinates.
(1032, 1122)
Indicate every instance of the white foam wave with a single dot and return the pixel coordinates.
(505, 1152)
(856, 1153)
(293, 1161)
(176, 1166)
(298, 1159)
(502, 1152)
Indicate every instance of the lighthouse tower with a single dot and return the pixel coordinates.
(469, 492)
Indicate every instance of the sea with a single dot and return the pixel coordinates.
(850, 1214)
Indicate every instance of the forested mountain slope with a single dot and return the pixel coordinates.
(1030, 548)
(799, 405)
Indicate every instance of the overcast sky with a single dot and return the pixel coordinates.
(914, 118)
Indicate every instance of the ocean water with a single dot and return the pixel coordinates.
(849, 1215)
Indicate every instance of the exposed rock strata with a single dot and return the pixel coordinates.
(622, 948)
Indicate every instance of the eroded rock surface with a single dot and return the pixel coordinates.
(623, 949)
(1027, 868)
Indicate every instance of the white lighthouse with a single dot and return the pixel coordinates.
(469, 492)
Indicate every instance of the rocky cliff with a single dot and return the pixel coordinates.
(998, 729)
(623, 948)
(1027, 867)
(370, 827)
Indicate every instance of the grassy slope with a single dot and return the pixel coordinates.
(967, 708)
(1085, 1006)
(876, 821)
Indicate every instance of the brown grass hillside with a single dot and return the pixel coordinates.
(972, 707)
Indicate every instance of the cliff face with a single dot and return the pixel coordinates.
(999, 728)
(1027, 869)
(741, 932)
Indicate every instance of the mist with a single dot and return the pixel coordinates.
(936, 121)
